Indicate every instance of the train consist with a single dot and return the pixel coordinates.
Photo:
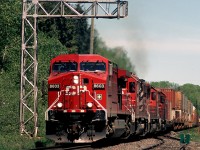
(90, 98)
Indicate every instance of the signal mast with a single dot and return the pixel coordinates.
(31, 12)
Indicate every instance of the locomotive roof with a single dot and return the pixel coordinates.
(126, 73)
(79, 57)
(123, 72)
(154, 88)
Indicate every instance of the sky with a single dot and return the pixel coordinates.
(161, 37)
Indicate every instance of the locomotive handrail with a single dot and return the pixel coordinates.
(99, 104)
(46, 112)
(127, 108)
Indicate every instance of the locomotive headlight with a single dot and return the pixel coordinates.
(89, 105)
(75, 79)
(59, 105)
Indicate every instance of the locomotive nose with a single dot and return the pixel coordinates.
(78, 92)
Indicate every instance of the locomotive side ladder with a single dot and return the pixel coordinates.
(31, 12)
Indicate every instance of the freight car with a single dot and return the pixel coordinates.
(90, 98)
(181, 113)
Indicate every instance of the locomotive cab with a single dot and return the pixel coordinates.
(162, 109)
(79, 97)
(154, 111)
(134, 98)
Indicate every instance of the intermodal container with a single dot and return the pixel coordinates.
(189, 110)
(178, 100)
(189, 107)
(170, 96)
(194, 116)
(185, 104)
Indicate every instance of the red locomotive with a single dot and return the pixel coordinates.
(154, 111)
(90, 98)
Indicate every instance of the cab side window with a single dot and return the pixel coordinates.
(132, 87)
(153, 95)
(162, 99)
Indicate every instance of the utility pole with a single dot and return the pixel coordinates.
(92, 33)
(31, 12)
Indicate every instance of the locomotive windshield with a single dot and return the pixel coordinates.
(93, 66)
(64, 66)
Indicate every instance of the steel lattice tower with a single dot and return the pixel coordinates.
(32, 11)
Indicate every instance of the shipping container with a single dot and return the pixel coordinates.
(178, 100)
(170, 114)
(180, 108)
(170, 95)
(189, 110)
(195, 117)
(185, 104)
(189, 107)
(170, 98)
(177, 117)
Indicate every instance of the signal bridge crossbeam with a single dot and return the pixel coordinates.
(66, 8)
(32, 11)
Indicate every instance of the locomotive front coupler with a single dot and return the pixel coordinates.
(74, 132)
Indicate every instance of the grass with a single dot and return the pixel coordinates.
(17, 142)
(194, 134)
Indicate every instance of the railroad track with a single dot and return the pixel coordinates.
(155, 142)
(167, 142)
(83, 146)
(161, 141)
(69, 146)
(101, 144)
